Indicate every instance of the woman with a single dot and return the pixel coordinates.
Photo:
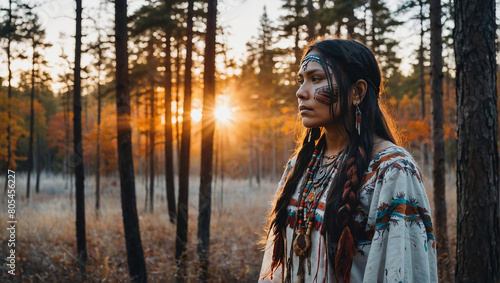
(351, 206)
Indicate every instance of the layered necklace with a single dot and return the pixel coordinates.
(318, 176)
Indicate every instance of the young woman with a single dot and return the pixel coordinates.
(351, 206)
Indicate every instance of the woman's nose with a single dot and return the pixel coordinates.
(301, 92)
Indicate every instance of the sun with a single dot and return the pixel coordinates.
(222, 113)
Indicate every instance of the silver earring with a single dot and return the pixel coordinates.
(310, 133)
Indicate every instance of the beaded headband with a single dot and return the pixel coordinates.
(311, 58)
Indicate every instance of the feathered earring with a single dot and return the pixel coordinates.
(358, 120)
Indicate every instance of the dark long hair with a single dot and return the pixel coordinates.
(350, 61)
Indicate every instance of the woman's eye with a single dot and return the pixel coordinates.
(300, 81)
(316, 78)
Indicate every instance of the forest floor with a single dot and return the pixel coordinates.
(46, 234)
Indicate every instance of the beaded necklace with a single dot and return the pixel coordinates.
(309, 199)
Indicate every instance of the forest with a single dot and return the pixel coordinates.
(140, 144)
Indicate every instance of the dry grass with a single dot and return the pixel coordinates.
(46, 242)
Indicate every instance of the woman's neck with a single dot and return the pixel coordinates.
(335, 141)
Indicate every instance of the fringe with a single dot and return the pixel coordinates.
(291, 221)
(345, 254)
(318, 226)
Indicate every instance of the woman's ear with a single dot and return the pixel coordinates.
(359, 92)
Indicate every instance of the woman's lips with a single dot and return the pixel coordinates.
(304, 109)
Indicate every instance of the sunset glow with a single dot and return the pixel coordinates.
(222, 113)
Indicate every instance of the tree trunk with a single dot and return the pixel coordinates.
(146, 158)
(169, 153)
(32, 119)
(38, 162)
(207, 143)
(78, 151)
(477, 169)
(9, 93)
(311, 21)
(182, 210)
(438, 172)
(296, 48)
(374, 43)
(98, 150)
(66, 136)
(177, 97)
(152, 127)
(421, 61)
(250, 158)
(273, 157)
(135, 256)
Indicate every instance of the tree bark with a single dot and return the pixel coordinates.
(477, 168)
(207, 143)
(182, 209)
(77, 142)
(438, 172)
(135, 256)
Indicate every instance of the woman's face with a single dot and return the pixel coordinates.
(314, 94)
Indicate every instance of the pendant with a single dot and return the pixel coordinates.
(319, 175)
(301, 244)
(310, 197)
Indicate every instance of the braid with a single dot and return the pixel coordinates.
(349, 200)
(346, 248)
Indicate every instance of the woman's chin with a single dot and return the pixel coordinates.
(309, 124)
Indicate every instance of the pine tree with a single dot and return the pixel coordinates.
(167, 85)
(207, 142)
(77, 141)
(135, 255)
(438, 172)
(291, 24)
(182, 205)
(478, 255)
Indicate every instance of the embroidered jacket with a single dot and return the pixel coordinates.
(395, 242)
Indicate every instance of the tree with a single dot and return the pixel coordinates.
(478, 255)
(156, 18)
(207, 142)
(77, 142)
(438, 173)
(383, 25)
(167, 84)
(37, 36)
(152, 123)
(182, 204)
(291, 25)
(421, 59)
(8, 31)
(135, 255)
(98, 48)
(311, 21)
